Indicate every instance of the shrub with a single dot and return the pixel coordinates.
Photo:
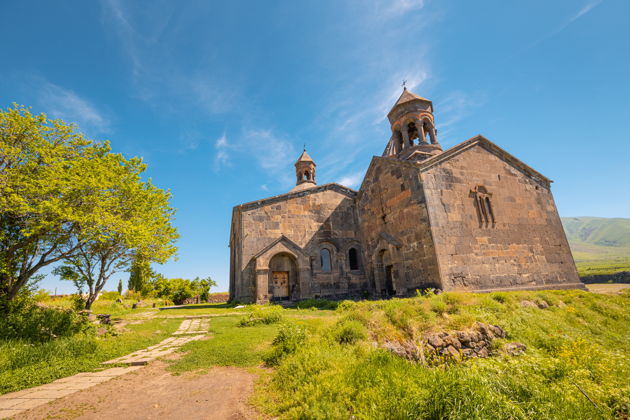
(262, 315)
(318, 304)
(41, 296)
(109, 296)
(78, 304)
(289, 339)
(500, 297)
(23, 319)
(437, 305)
(349, 332)
(346, 306)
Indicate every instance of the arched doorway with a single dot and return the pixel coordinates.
(283, 277)
(385, 269)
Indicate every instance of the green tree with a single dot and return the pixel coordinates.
(140, 275)
(49, 194)
(66, 198)
(138, 223)
(202, 287)
(180, 290)
(120, 287)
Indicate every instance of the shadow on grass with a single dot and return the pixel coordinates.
(201, 306)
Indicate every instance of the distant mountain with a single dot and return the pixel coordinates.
(600, 246)
(614, 232)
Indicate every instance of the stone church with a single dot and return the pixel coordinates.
(470, 218)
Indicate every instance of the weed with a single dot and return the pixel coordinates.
(349, 332)
(290, 337)
(262, 315)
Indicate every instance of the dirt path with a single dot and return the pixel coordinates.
(154, 393)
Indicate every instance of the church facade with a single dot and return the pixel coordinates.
(470, 218)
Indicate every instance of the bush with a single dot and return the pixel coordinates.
(41, 295)
(318, 304)
(346, 306)
(349, 332)
(262, 315)
(78, 304)
(438, 305)
(23, 319)
(289, 339)
(109, 296)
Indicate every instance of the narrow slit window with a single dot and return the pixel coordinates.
(489, 210)
(483, 204)
(353, 259)
(324, 259)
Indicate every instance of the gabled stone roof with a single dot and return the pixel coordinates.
(492, 148)
(288, 242)
(456, 150)
(316, 189)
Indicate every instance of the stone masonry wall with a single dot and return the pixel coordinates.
(393, 218)
(526, 247)
(312, 219)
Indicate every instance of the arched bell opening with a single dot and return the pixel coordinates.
(429, 132)
(413, 134)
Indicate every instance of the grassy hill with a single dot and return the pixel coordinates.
(599, 245)
(351, 366)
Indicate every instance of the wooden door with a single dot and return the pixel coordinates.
(280, 280)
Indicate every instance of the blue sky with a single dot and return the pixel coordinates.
(219, 97)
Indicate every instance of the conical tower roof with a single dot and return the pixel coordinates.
(304, 157)
(407, 96)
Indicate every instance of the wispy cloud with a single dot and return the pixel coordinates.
(453, 108)
(66, 104)
(149, 39)
(273, 154)
(222, 156)
(570, 20)
(352, 180)
(394, 8)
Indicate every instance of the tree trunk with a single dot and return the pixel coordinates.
(89, 301)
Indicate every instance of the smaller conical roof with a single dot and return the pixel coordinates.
(407, 96)
(304, 157)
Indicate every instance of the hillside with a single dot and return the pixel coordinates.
(417, 358)
(599, 245)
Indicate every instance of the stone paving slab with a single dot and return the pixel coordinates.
(143, 357)
(14, 403)
(193, 326)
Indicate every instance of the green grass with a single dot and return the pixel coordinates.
(602, 267)
(582, 339)
(204, 309)
(23, 364)
(600, 246)
(233, 345)
(229, 345)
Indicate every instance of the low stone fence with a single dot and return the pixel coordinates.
(620, 277)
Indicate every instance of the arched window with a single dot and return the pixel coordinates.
(324, 259)
(353, 259)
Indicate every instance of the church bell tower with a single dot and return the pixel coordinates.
(304, 172)
(414, 136)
